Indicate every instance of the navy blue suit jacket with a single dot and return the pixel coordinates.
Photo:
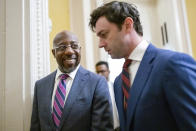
(163, 93)
(87, 108)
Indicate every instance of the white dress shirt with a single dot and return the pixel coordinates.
(69, 82)
(114, 108)
(136, 57)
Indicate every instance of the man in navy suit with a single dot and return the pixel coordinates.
(157, 89)
(71, 98)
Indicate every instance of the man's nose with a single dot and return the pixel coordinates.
(69, 50)
(102, 43)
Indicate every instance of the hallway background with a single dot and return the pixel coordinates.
(27, 28)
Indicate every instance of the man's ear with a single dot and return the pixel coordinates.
(54, 53)
(128, 23)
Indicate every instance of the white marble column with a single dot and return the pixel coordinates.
(14, 65)
(20, 53)
(182, 29)
(2, 64)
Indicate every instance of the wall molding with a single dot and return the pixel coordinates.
(40, 47)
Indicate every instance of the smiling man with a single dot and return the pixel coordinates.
(71, 98)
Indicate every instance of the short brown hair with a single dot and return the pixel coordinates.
(116, 12)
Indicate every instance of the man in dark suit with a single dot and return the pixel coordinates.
(157, 88)
(71, 98)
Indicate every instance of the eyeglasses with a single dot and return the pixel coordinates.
(73, 44)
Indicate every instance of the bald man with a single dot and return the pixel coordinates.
(71, 98)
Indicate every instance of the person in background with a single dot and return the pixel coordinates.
(157, 88)
(102, 68)
(71, 98)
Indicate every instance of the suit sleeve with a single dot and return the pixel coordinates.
(180, 90)
(102, 119)
(35, 124)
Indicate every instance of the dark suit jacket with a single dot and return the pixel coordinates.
(87, 108)
(163, 93)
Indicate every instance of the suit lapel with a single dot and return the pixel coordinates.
(141, 78)
(74, 93)
(119, 100)
(50, 87)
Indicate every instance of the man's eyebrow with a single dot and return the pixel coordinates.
(99, 33)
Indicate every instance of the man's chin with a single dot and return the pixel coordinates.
(68, 68)
(115, 57)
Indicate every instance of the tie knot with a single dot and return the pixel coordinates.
(127, 63)
(64, 76)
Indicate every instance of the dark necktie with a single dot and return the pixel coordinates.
(59, 100)
(126, 83)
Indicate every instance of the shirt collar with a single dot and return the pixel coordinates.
(71, 74)
(138, 53)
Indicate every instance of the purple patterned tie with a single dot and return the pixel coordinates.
(59, 100)
(126, 83)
